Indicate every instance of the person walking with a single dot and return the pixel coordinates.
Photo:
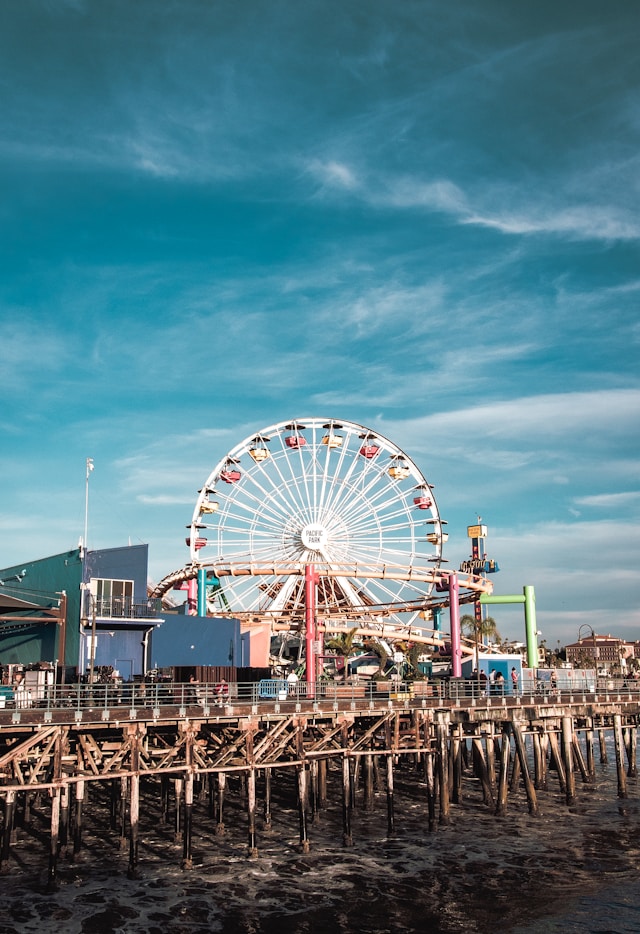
(514, 680)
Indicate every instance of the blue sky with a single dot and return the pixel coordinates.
(421, 216)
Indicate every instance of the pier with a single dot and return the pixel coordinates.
(328, 739)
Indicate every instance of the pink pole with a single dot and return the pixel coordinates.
(192, 597)
(310, 581)
(454, 616)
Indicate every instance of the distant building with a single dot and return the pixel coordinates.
(602, 652)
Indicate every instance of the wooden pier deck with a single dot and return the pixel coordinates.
(173, 743)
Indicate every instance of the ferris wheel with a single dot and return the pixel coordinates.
(316, 491)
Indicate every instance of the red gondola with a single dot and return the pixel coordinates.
(230, 476)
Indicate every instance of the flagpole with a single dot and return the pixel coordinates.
(86, 502)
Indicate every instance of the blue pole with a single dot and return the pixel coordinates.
(202, 591)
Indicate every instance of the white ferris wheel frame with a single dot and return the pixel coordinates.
(312, 491)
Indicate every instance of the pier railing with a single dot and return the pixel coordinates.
(157, 694)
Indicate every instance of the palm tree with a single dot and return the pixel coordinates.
(479, 630)
(342, 645)
(373, 646)
(485, 629)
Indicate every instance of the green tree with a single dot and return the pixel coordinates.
(485, 629)
(342, 645)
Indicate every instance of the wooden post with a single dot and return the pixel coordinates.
(430, 779)
(122, 810)
(187, 856)
(588, 739)
(251, 814)
(630, 747)
(177, 833)
(579, 759)
(302, 808)
(164, 799)
(322, 783)
(532, 799)
(369, 795)
(266, 813)
(567, 759)
(456, 765)
(490, 747)
(134, 806)
(222, 781)
(77, 829)
(347, 838)
(52, 875)
(480, 767)
(7, 830)
(390, 806)
(313, 796)
(515, 774)
(538, 761)
(503, 781)
(354, 766)
(557, 760)
(603, 746)
(443, 772)
(618, 742)
(64, 819)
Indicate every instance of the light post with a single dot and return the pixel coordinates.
(92, 644)
(595, 644)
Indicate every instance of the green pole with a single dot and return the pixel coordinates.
(527, 597)
(530, 626)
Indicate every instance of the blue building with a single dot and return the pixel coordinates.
(79, 610)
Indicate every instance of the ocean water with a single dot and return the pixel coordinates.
(571, 869)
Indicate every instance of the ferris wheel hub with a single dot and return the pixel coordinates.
(314, 536)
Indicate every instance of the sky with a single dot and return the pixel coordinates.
(423, 217)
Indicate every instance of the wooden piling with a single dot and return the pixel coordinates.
(302, 808)
(134, 806)
(266, 809)
(52, 874)
(390, 802)
(567, 759)
(369, 796)
(603, 746)
(442, 758)
(252, 844)
(588, 742)
(619, 743)
(77, 828)
(178, 791)
(480, 767)
(503, 781)
(222, 782)
(556, 760)
(187, 856)
(347, 838)
(521, 751)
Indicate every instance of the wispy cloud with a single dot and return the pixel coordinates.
(609, 500)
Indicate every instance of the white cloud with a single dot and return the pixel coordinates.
(333, 174)
(608, 500)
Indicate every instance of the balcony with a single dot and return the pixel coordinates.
(126, 609)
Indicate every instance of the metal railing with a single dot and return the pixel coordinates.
(152, 695)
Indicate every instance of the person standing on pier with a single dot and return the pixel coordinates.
(514, 680)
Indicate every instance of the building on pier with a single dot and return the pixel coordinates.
(79, 611)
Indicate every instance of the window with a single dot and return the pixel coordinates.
(113, 598)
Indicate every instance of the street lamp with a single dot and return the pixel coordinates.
(92, 644)
(595, 644)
